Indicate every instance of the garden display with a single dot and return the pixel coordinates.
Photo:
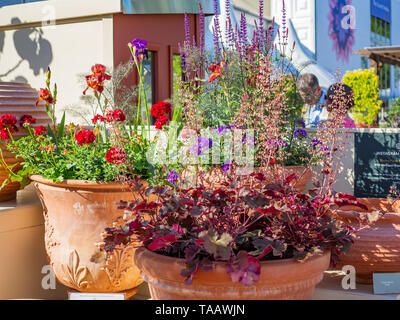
(250, 234)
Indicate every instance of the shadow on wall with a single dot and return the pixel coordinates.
(32, 47)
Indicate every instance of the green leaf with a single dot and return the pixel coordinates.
(61, 126)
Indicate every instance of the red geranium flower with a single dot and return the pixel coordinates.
(40, 131)
(116, 155)
(27, 119)
(160, 108)
(161, 121)
(45, 95)
(115, 115)
(85, 136)
(216, 70)
(4, 134)
(98, 117)
(8, 124)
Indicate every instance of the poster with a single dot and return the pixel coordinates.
(377, 164)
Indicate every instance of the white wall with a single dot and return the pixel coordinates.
(71, 46)
(302, 13)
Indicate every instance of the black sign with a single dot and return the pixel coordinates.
(377, 164)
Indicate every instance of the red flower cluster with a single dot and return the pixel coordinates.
(7, 126)
(116, 155)
(40, 131)
(115, 115)
(27, 119)
(45, 95)
(98, 117)
(217, 70)
(97, 78)
(159, 110)
(161, 121)
(112, 115)
(85, 136)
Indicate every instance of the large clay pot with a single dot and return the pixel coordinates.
(18, 99)
(76, 214)
(279, 280)
(377, 248)
(216, 178)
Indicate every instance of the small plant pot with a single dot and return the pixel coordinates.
(377, 248)
(76, 214)
(279, 280)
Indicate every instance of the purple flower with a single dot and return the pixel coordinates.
(300, 132)
(173, 177)
(201, 29)
(140, 48)
(248, 140)
(202, 145)
(302, 123)
(315, 142)
(222, 129)
(226, 166)
(278, 143)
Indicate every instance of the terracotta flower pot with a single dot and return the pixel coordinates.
(375, 249)
(18, 99)
(302, 173)
(216, 178)
(76, 213)
(279, 280)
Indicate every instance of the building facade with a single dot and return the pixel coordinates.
(70, 36)
(331, 30)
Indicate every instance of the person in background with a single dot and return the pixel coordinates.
(313, 96)
(339, 93)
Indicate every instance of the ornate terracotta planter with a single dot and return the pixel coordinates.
(215, 177)
(279, 280)
(18, 99)
(375, 249)
(76, 213)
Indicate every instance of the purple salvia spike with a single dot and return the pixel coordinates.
(201, 31)
(228, 16)
(243, 30)
(261, 20)
(216, 30)
(187, 30)
(194, 42)
(216, 43)
(183, 59)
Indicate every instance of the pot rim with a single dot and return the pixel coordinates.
(71, 183)
(181, 261)
(389, 216)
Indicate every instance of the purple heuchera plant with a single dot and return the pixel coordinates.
(239, 226)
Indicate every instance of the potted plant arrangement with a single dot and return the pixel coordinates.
(252, 235)
(215, 82)
(79, 173)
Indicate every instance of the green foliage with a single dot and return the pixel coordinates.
(394, 114)
(68, 160)
(365, 85)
